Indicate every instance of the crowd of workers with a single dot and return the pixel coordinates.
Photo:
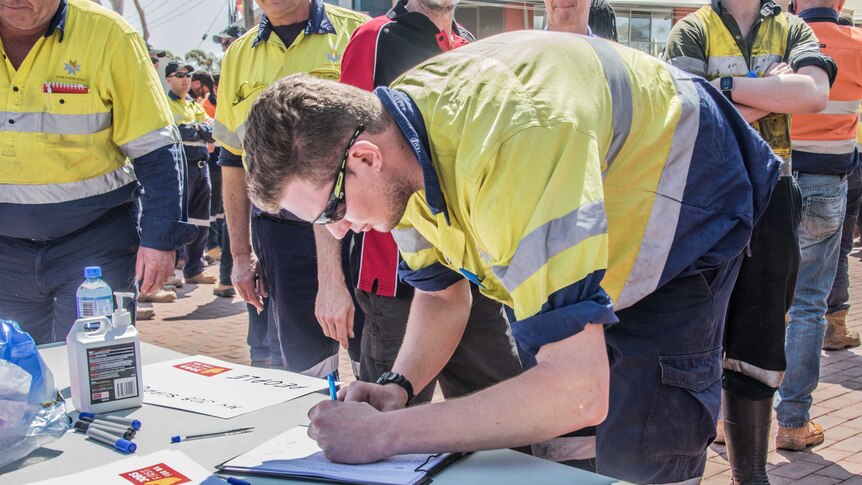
(609, 260)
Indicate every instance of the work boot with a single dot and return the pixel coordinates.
(213, 255)
(797, 439)
(837, 336)
(201, 279)
(159, 296)
(746, 431)
(175, 281)
(144, 312)
(226, 291)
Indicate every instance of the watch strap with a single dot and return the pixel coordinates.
(396, 378)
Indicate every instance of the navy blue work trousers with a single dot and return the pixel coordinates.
(38, 279)
(665, 384)
(289, 259)
(198, 196)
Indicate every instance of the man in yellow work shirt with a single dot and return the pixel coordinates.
(293, 36)
(86, 126)
(594, 217)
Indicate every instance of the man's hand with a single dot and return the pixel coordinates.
(347, 432)
(383, 398)
(247, 278)
(153, 268)
(334, 310)
(778, 68)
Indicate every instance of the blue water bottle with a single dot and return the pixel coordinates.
(94, 296)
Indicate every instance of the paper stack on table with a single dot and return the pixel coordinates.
(163, 467)
(294, 454)
(217, 388)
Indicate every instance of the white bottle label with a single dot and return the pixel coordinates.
(113, 373)
(95, 307)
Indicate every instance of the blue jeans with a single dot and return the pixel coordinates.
(824, 198)
(840, 296)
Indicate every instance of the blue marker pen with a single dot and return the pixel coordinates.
(122, 445)
(134, 423)
(105, 424)
(237, 481)
(332, 392)
(126, 433)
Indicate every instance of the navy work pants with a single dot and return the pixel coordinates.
(289, 259)
(198, 197)
(39, 279)
(665, 384)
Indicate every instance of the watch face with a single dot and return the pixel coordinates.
(726, 83)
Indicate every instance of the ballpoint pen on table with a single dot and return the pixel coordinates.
(227, 432)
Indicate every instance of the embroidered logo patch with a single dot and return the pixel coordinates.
(72, 67)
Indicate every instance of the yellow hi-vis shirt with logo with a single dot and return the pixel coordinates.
(255, 61)
(76, 110)
(187, 111)
(562, 159)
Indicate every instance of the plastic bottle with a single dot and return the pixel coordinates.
(105, 361)
(94, 296)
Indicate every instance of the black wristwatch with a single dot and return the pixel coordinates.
(726, 85)
(396, 378)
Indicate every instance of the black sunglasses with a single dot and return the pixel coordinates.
(155, 60)
(336, 206)
(180, 75)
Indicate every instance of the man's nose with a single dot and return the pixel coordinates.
(339, 229)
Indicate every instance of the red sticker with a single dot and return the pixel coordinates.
(160, 474)
(201, 368)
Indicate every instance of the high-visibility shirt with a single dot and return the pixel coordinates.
(557, 202)
(709, 43)
(74, 112)
(258, 59)
(188, 113)
(825, 142)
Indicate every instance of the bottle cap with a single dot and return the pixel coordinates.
(93, 272)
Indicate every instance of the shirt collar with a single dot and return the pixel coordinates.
(174, 97)
(412, 126)
(58, 21)
(399, 13)
(318, 23)
(820, 14)
(768, 8)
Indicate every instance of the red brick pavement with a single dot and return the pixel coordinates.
(200, 323)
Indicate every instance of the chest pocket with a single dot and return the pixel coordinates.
(69, 124)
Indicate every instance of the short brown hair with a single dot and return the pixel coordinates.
(299, 127)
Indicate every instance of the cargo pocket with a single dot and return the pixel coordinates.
(684, 406)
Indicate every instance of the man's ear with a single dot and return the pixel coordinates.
(365, 155)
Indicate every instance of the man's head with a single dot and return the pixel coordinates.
(179, 78)
(438, 5)
(155, 55)
(568, 15)
(300, 132)
(202, 84)
(27, 16)
(803, 5)
(227, 36)
(285, 12)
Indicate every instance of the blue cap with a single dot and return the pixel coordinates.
(125, 446)
(136, 424)
(92, 272)
(175, 439)
(86, 415)
(237, 481)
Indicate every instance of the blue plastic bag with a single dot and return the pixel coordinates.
(32, 413)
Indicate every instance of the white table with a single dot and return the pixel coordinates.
(72, 453)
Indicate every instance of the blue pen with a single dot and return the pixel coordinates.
(332, 392)
(237, 481)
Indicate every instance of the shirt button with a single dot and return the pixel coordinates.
(11, 122)
(15, 88)
(737, 37)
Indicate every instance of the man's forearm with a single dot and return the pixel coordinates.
(567, 390)
(434, 328)
(803, 92)
(328, 256)
(237, 208)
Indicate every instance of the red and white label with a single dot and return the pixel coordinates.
(159, 474)
(201, 368)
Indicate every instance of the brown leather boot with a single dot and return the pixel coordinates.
(797, 439)
(837, 336)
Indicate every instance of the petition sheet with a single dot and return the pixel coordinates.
(160, 468)
(214, 387)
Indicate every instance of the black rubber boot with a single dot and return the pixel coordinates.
(746, 431)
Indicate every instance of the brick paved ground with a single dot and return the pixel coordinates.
(200, 323)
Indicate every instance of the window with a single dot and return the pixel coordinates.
(644, 30)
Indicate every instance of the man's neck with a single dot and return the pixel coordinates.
(745, 13)
(443, 19)
(180, 94)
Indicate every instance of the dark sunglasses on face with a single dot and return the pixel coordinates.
(155, 60)
(180, 75)
(336, 206)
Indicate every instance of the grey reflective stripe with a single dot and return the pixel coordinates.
(65, 192)
(771, 378)
(240, 133)
(690, 481)
(199, 143)
(410, 241)
(224, 135)
(761, 63)
(841, 107)
(551, 239)
(148, 142)
(661, 227)
(199, 222)
(566, 448)
(690, 64)
(617, 77)
(726, 66)
(54, 123)
(829, 147)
